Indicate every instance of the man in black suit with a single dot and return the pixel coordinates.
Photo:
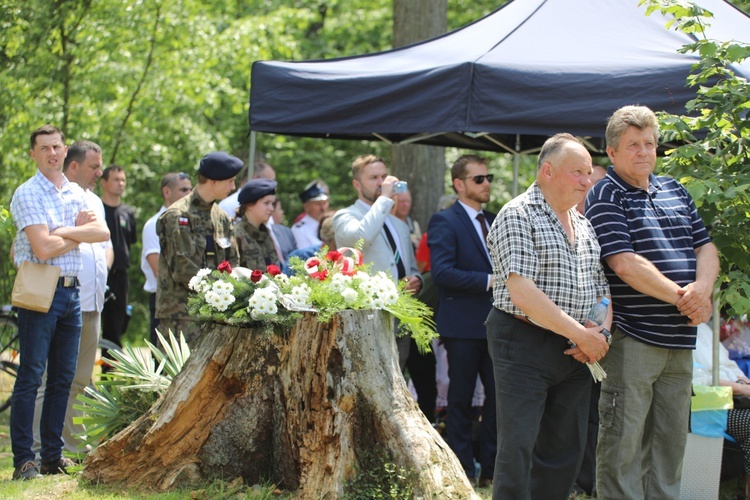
(462, 271)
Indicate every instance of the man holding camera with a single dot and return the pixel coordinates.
(386, 238)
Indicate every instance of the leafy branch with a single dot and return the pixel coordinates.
(713, 161)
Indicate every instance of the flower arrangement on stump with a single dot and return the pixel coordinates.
(327, 283)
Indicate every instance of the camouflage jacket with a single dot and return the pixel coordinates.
(255, 246)
(193, 235)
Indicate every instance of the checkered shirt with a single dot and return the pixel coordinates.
(528, 239)
(38, 201)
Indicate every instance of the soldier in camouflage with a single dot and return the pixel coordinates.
(194, 233)
(254, 242)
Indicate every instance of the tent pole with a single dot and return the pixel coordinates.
(251, 157)
(715, 323)
(516, 162)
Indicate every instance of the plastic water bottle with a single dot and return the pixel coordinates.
(598, 313)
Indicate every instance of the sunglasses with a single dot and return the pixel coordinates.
(479, 179)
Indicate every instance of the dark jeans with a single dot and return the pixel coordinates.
(468, 358)
(47, 340)
(542, 409)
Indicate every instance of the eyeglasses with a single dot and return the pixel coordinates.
(479, 179)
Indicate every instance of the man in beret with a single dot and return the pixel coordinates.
(194, 233)
(314, 203)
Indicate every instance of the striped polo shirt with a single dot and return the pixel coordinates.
(661, 225)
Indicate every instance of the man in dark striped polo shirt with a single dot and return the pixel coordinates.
(661, 267)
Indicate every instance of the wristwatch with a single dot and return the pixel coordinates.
(607, 334)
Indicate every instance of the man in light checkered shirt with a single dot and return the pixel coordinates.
(548, 275)
(52, 218)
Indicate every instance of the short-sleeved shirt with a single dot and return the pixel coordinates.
(193, 235)
(661, 225)
(255, 246)
(528, 239)
(150, 242)
(93, 275)
(38, 201)
(123, 233)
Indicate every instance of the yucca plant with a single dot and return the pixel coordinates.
(131, 388)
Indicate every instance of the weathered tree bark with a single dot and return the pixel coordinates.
(423, 167)
(300, 410)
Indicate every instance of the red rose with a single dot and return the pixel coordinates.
(256, 276)
(273, 269)
(225, 267)
(333, 256)
(321, 275)
(312, 262)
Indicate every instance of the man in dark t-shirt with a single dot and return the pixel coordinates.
(123, 233)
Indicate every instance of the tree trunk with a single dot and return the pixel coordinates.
(423, 167)
(300, 410)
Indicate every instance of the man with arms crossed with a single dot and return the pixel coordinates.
(548, 276)
(52, 219)
(661, 267)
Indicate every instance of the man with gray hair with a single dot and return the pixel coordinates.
(547, 276)
(661, 267)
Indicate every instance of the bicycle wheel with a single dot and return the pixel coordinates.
(8, 372)
(8, 338)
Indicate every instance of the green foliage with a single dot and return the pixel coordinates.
(379, 478)
(131, 388)
(713, 161)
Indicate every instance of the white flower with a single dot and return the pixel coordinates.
(262, 302)
(377, 303)
(216, 301)
(223, 287)
(300, 295)
(282, 279)
(195, 282)
(203, 272)
(350, 295)
(340, 282)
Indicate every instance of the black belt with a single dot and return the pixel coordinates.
(68, 282)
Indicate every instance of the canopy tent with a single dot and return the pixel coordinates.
(503, 83)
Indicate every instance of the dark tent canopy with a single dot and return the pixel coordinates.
(528, 70)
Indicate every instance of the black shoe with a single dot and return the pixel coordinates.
(29, 470)
(59, 466)
(484, 482)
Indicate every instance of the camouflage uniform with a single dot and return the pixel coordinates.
(193, 235)
(255, 246)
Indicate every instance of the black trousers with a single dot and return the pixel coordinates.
(114, 313)
(422, 371)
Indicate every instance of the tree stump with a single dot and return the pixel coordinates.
(300, 410)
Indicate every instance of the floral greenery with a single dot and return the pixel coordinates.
(325, 284)
(131, 388)
(713, 161)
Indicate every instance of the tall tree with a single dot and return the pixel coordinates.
(423, 167)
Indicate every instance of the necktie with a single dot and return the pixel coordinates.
(399, 262)
(483, 225)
